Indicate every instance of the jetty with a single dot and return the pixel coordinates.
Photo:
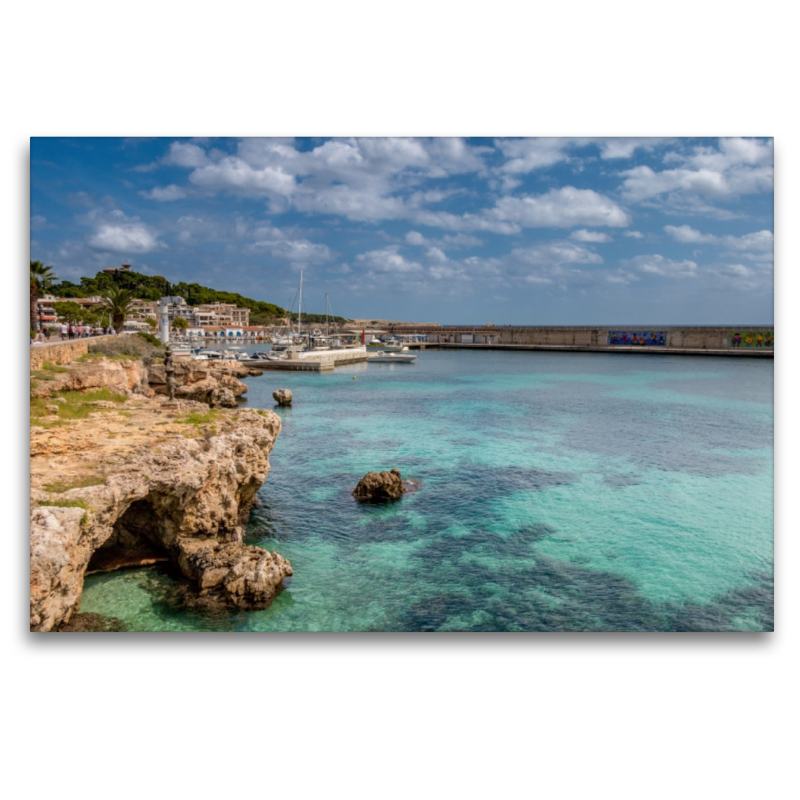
(747, 341)
(311, 360)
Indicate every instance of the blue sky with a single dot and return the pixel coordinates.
(509, 231)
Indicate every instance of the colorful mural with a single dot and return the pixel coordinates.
(639, 338)
(752, 339)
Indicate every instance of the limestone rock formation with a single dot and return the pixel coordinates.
(149, 485)
(380, 486)
(216, 384)
(114, 374)
(283, 397)
(234, 574)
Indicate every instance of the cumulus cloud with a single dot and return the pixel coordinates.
(182, 154)
(298, 250)
(633, 234)
(760, 241)
(526, 155)
(556, 254)
(732, 167)
(561, 208)
(626, 147)
(660, 265)
(165, 194)
(234, 175)
(387, 260)
(583, 235)
(688, 235)
(446, 242)
(130, 238)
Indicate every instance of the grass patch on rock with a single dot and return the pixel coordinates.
(65, 504)
(76, 405)
(197, 418)
(58, 487)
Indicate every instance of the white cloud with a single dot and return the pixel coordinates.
(415, 237)
(688, 235)
(526, 155)
(560, 208)
(171, 192)
(733, 167)
(186, 155)
(446, 242)
(556, 254)
(234, 175)
(583, 235)
(666, 267)
(760, 241)
(127, 238)
(633, 234)
(625, 147)
(301, 251)
(387, 260)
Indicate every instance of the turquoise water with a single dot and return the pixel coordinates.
(560, 491)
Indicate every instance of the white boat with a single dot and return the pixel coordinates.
(391, 358)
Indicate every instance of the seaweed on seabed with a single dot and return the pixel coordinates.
(94, 623)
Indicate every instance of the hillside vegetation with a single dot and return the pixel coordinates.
(152, 287)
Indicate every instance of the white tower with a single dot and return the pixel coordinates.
(163, 307)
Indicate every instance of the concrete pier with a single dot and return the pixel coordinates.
(742, 341)
(314, 360)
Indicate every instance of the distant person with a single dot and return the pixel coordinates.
(47, 334)
(63, 331)
(71, 331)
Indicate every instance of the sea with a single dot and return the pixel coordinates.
(557, 492)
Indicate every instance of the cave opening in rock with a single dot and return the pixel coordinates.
(133, 542)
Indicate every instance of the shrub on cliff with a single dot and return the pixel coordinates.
(135, 346)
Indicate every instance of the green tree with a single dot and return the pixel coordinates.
(117, 302)
(68, 311)
(180, 324)
(42, 279)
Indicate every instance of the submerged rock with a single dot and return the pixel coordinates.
(381, 486)
(283, 397)
(94, 623)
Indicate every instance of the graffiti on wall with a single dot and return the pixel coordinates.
(639, 338)
(752, 339)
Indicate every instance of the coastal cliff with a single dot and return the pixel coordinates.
(121, 479)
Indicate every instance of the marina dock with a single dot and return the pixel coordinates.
(312, 361)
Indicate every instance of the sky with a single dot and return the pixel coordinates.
(535, 231)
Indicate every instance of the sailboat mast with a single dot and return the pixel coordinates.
(300, 305)
(327, 329)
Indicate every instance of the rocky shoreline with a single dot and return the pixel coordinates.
(121, 477)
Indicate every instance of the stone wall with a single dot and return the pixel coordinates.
(61, 352)
(58, 352)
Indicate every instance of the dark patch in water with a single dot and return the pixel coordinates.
(619, 481)
(559, 596)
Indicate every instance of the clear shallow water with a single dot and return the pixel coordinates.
(559, 492)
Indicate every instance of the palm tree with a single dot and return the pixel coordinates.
(42, 279)
(118, 304)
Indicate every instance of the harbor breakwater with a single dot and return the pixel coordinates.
(745, 341)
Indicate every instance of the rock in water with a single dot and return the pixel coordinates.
(380, 486)
(283, 397)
